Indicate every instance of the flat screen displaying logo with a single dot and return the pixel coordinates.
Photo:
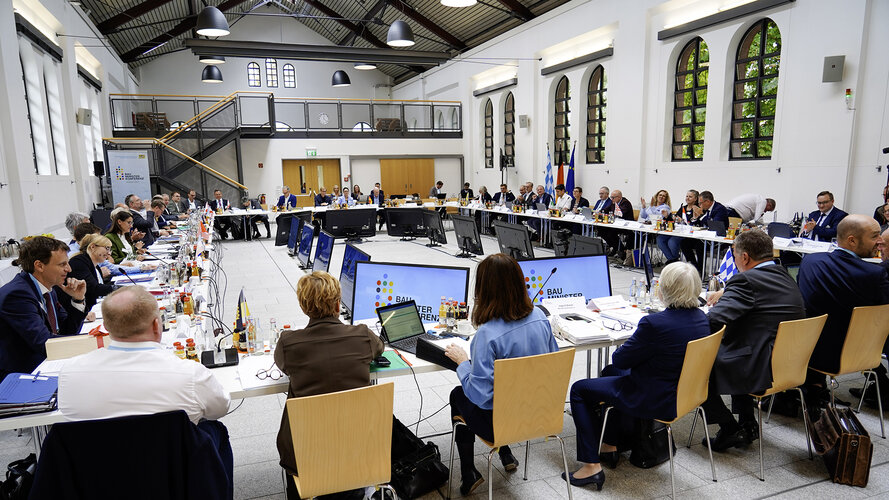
(384, 291)
(379, 284)
(533, 282)
(585, 276)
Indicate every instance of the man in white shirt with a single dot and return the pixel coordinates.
(563, 199)
(750, 207)
(135, 374)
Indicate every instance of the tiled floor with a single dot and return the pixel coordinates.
(269, 276)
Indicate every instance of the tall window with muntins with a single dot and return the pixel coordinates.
(489, 134)
(289, 76)
(253, 79)
(271, 72)
(690, 101)
(561, 132)
(595, 116)
(755, 92)
(509, 129)
(38, 120)
(52, 87)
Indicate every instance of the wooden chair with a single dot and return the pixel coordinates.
(342, 440)
(863, 349)
(794, 344)
(70, 346)
(691, 392)
(529, 402)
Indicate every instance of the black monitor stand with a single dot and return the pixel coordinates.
(464, 246)
(431, 234)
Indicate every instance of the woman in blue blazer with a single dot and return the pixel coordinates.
(641, 381)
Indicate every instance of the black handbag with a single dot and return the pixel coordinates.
(416, 466)
(19, 477)
(650, 444)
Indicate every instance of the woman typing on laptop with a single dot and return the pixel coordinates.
(508, 327)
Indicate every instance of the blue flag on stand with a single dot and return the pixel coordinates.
(727, 267)
(548, 180)
(569, 181)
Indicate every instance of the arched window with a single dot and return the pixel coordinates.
(253, 75)
(362, 127)
(690, 101)
(595, 118)
(455, 119)
(439, 121)
(489, 134)
(271, 72)
(282, 127)
(562, 134)
(755, 92)
(289, 76)
(509, 129)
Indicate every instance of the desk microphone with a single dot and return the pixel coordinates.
(122, 271)
(544, 284)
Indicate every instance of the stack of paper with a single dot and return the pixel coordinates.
(22, 393)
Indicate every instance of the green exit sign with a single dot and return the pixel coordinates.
(311, 152)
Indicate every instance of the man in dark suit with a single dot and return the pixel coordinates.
(192, 203)
(30, 311)
(177, 206)
(835, 283)
(579, 201)
(141, 221)
(466, 192)
(322, 199)
(503, 196)
(287, 200)
(604, 200)
(822, 223)
(222, 224)
(622, 209)
(251, 204)
(705, 211)
(751, 306)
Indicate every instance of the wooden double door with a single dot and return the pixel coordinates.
(315, 172)
(407, 175)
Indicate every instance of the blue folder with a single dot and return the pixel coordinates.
(19, 389)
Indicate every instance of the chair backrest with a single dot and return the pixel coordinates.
(342, 440)
(70, 346)
(865, 337)
(529, 396)
(794, 344)
(699, 357)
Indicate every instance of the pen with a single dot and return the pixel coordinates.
(35, 376)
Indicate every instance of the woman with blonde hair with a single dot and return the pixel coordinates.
(94, 250)
(658, 208)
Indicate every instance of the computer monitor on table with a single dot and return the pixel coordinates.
(347, 276)
(323, 251)
(306, 237)
(574, 276)
(466, 232)
(514, 240)
(584, 245)
(296, 226)
(442, 196)
(434, 228)
(406, 223)
(352, 224)
(383, 283)
(645, 256)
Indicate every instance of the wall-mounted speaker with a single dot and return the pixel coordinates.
(524, 121)
(99, 168)
(84, 116)
(833, 69)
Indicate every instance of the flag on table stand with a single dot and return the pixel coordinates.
(560, 179)
(727, 267)
(548, 179)
(569, 183)
(242, 314)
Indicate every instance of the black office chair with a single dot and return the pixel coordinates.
(101, 217)
(781, 230)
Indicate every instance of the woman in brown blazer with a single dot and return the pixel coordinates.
(325, 356)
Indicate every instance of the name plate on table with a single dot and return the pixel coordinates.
(428, 204)
(451, 204)
(575, 217)
(501, 208)
(320, 209)
(705, 234)
(634, 224)
(621, 223)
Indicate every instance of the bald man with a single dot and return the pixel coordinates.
(835, 283)
(622, 208)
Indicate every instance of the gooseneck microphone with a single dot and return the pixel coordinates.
(122, 271)
(544, 284)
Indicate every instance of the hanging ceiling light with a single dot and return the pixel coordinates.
(365, 65)
(400, 35)
(212, 22)
(340, 79)
(458, 3)
(211, 74)
(212, 59)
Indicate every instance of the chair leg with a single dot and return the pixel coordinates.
(863, 390)
(670, 454)
(491, 474)
(691, 433)
(527, 454)
(806, 422)
(451, 460)
(832, 383)
(564, 464)
(390, 489)
(709, 448)
(879, 404)
(771, 404)
(602, 433)
(762, 474)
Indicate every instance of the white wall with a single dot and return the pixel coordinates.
(819, 144)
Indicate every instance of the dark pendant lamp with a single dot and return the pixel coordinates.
(212, 59)
(400, 35)
(212, 22)
(340, 79)
(211, 74)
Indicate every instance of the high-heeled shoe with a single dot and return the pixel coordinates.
(598, 479)
(609, 459)
(471, 480)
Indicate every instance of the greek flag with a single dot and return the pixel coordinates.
(727, 267)
(548, 180)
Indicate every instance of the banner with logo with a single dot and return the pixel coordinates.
(129, 174)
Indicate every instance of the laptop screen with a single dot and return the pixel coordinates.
(400, 320)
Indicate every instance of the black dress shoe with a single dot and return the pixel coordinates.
(256, 234)
(609, 459)
(471, 481)
(509, 461)
(751, 430)
(725, 440)
(598, 479)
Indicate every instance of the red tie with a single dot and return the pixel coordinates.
(51, 313)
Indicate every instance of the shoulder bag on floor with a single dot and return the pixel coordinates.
(844, 444)
(19, 477)
(650, 444)
(416, 466)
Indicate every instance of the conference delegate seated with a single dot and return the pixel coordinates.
(322, 199)
(345, 198)
(659, 208)
(94, 249)
(325, 356)
(30, 311)
(484, 196)
(670, 245)
(642, 379)
(287, 200)
(508, 327)
(121, 239)
(707, 210)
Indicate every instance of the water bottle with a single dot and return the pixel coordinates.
(715, 285)
(274, 333)
(633, 292)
